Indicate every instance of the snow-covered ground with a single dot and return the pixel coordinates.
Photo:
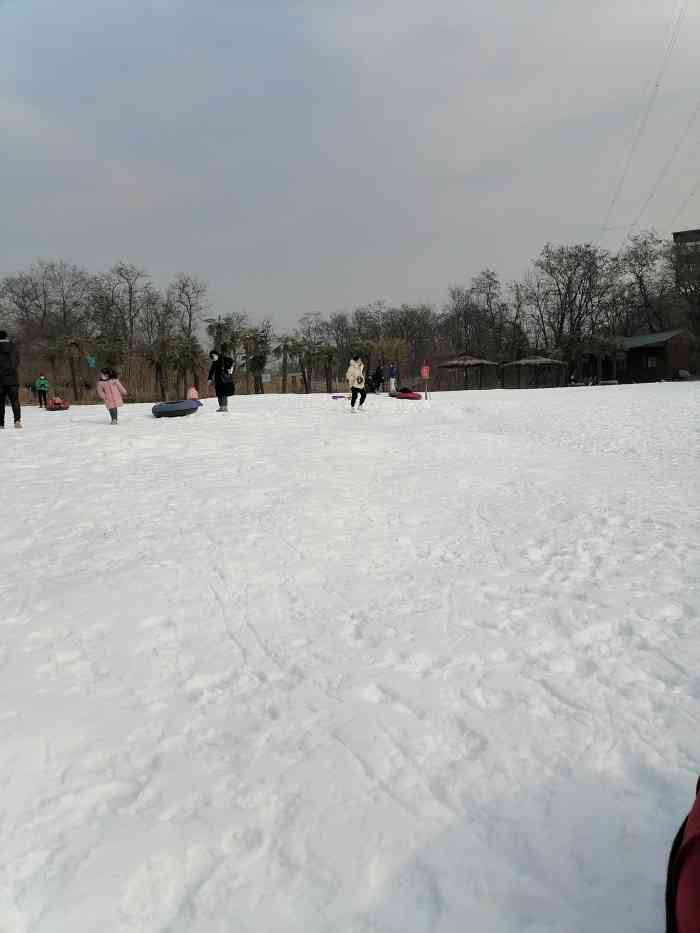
(432, 667)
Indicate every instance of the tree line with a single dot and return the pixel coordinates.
(69, 320)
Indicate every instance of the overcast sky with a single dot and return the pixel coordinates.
(316, 155)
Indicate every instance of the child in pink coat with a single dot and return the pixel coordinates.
(111, 391)
(192, 393)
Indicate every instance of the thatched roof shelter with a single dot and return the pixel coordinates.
(460, 362)
(478, 373)
(536, 361)
(534, 372)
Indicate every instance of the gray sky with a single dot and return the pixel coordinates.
(316, 155)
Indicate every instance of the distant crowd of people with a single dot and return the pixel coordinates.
(9, 383)
(222, 368)
(112, 391)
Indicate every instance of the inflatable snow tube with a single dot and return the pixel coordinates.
(415, 396)
(338, 396)
(57, 404)
(176, 409)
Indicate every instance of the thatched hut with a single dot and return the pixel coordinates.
(467, 372)
(534, 372)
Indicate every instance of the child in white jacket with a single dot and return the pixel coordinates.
(355, 377)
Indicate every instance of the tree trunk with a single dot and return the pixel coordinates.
(329, 378)
(160, 382)
(74, 378)
(284, 369)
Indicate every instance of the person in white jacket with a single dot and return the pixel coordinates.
(355, 377)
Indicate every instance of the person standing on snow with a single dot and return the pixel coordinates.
(42, 390)
(111, 391)
(9, 379)
(192, 393)
(683, 877)
(392, 377)
(355, 377)
(221, 374)
(379, 378)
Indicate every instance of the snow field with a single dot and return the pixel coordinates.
(433, 667)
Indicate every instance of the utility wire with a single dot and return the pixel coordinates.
(641, 126)
(687, 201)
(667, 167)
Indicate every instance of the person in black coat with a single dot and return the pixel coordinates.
(9, 379)
(221, 374)
(378, 378)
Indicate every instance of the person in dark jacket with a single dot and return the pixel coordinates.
(221, 374)
(9, 379)
(683, 876)
(379, 378)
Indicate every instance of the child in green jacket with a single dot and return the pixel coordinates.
(42, 389)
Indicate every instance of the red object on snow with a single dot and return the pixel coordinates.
(425, 372)
(57, 404)
(415, 396)
(683, 881)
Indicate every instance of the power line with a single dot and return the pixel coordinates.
(667, 167)
(641, 126)
(687, 201)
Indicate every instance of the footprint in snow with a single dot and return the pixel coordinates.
(373, 693)
(152, 622)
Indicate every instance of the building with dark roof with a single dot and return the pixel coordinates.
(653, 357)
(687, 237)
(642, 358)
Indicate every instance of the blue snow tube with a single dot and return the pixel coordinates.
(179, 409)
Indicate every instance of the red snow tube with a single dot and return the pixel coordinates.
(57, 404)
(411, 395)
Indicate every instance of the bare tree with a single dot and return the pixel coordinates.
(131, 290)
(309, 338)
(283, 350)
(487, 295)
(158, 329)
(567, 293)
(187, 296)
(51, 303)
(256, 344)
(339, 334)
(461, 321)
